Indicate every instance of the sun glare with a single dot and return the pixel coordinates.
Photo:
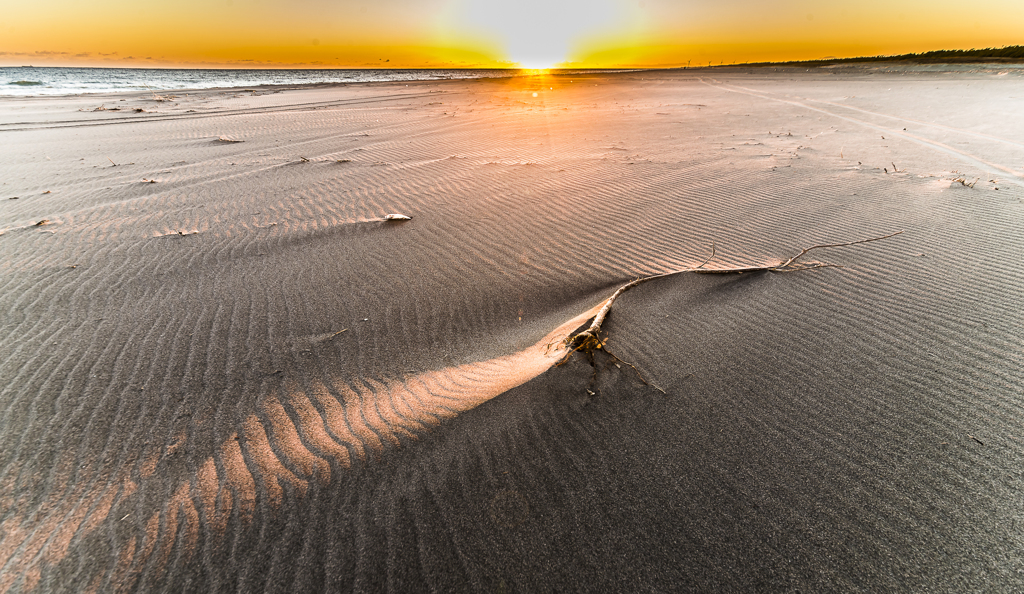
(539, 34)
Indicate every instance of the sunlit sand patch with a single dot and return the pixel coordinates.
(284, 448)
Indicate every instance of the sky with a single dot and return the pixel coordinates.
(495, 33)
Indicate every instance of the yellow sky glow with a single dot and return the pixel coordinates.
(482, 33)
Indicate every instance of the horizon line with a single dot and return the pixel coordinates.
(1005, 54)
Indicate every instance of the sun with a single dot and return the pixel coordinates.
(538, 34)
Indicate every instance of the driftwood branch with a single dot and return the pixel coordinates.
(589, 339)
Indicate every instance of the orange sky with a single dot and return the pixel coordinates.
(480, 33)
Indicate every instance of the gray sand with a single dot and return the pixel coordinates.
(237, 377)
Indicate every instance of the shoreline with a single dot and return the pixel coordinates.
(480, 73)
(897, 63)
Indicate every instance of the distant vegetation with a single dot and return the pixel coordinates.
(1012, 53)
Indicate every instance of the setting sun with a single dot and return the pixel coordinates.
(536, 33)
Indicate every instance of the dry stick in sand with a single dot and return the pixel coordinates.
(589, 340)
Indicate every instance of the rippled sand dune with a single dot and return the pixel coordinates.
(223, 370)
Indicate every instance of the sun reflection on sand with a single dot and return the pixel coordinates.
(280, 451)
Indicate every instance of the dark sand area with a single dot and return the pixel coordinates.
(221, 370)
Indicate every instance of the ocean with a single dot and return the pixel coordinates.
(28, 80)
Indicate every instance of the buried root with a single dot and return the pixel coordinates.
(589, 346)
(589, 341)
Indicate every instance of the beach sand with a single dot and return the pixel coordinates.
(222, 370)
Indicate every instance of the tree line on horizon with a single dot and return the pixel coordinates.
(1008, 53)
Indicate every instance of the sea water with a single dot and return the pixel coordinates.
(27, 80)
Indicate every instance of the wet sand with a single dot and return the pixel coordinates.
(222, 370)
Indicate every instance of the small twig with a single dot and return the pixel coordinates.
(595, 326)
(588, 340)
(709, 257)
(831, 245)
(811, 267)
(111, 161)
(631, 366)
(338, 332)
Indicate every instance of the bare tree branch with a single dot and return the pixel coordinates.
(588, 340)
